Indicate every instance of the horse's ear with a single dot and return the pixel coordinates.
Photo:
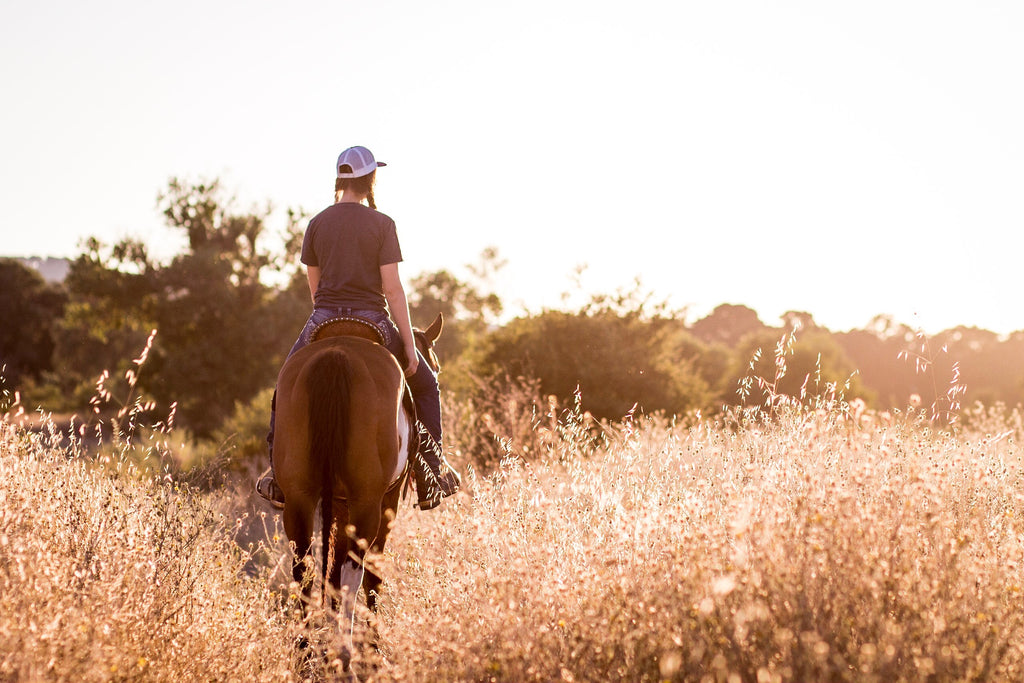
(434, 331)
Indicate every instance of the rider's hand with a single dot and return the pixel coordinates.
(414, 362)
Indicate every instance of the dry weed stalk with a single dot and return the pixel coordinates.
(116, 578)
(945, 408)
(817, 546)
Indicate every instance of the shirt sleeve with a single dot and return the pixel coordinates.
(308, 256)
(390, 250)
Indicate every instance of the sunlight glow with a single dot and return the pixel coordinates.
(847, 161)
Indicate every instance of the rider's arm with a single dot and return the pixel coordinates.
(394, 292)
(313, 275)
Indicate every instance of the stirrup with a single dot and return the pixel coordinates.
(267, 487)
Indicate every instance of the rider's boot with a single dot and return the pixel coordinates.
(435, 478)
(267, 487)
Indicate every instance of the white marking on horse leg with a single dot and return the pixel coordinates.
(351, 579)
(404, 427)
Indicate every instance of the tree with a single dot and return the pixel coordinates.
(108, 317)
(470, 309)
(615, 361)
(440, 292)
(986, 366)
(800, 365)
(222, 332)
(727, 325)
(798, 321)
(30, 309)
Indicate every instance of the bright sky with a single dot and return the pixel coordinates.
(845, 159)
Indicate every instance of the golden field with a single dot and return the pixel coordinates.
(814, 542)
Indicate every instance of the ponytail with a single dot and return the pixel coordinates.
(363, 185)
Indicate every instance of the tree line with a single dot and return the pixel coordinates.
(227, 309)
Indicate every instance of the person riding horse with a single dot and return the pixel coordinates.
(351, 253)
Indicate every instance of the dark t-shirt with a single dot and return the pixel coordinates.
(349, 243)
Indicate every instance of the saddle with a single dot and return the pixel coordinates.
(348, 326)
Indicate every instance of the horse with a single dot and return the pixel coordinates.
(343, 439)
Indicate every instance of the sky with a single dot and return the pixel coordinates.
(846, 159)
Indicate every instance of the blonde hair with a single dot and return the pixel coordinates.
(362, 185)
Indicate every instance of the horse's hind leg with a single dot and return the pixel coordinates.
(372, 580)
(298, 525)
(365, 519)
(353, 572)
(336, 549)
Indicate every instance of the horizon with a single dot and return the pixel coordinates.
(35, 260)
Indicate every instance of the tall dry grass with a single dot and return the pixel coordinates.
(107, 577)
(815, 542)
(820, 545)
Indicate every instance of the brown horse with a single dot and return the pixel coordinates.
(342, 440)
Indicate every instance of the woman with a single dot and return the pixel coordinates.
(351, 253)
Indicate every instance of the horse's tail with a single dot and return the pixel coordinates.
(328, 387)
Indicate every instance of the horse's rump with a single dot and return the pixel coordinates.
(341, 440)
(329, 386)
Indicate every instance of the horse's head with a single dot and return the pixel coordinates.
(425, 342)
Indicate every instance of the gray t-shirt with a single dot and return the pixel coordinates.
(349, 243)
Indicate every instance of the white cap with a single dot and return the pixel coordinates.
(359, 159)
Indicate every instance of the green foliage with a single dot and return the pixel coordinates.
(29, 309)
(799, 364)
(875, 352)
(223, 332)
(228, 307)
(244, 434)
(728, 324)
(112, 294)
(615, 361)
(992, 369)
(898, 364)
(470, 309)
(441, 292)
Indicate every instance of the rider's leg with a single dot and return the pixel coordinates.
(266, 485)
(427, 396)
(435, 478)
(270, 434)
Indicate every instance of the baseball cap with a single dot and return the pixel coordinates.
(359, 159)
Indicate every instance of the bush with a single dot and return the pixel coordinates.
(615, 361)
(240, 440)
